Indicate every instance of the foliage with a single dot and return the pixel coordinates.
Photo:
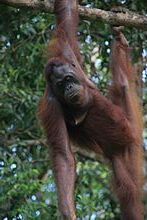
(26, 181)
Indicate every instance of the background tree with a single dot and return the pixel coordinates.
(26, 181)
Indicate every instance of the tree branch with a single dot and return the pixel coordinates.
(29, 143)
(126, 19)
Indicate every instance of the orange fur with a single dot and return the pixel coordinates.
(113, 127)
